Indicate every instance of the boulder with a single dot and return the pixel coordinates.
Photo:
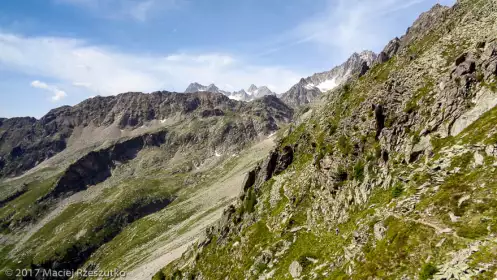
(423, 145)
(465, 68)
(379, 231)
(479, 159)
(295, 269)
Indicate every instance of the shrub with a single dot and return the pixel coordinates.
(342, 175)
(250, 201)
(359, 171)
(397, 190)
(427, 271)
(344, 145)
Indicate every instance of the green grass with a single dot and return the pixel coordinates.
(359, 171)
(427, 271)
(62, 234)
(397, 190)
(24, 209)
(344, 145)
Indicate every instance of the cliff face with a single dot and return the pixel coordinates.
(391, 177)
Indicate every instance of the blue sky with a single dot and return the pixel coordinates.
(60, 52)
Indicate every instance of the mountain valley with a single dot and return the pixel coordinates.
(384, 167)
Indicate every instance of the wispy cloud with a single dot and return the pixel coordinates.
(139, 10)
(104, 71)
(57, 93)
(345, 26)
(349, 24)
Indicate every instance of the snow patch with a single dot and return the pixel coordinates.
(163, 121)
(327, 85)
(235, 97)
(218, 154)
(310, 86)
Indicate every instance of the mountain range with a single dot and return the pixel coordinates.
(252, 93)
(384, 167)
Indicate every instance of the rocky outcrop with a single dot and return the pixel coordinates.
(380, 119)
(284, 160)
(274, 164)
(389, 51)
(425, 23)
(490, 65)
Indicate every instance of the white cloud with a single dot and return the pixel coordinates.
(57, 93)
(105, 71)
(349, 24)
(139, 10)
(345, 26)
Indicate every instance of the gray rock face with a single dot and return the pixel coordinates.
(389, 51)
(252, 88)
(309, 89)
(196, 87)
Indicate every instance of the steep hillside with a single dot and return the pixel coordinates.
(137, 173)
(393, 176)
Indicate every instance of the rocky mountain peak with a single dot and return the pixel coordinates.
(252, 88)
(252, 93)
(309, 89)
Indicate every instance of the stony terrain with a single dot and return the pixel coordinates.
(390, 176)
